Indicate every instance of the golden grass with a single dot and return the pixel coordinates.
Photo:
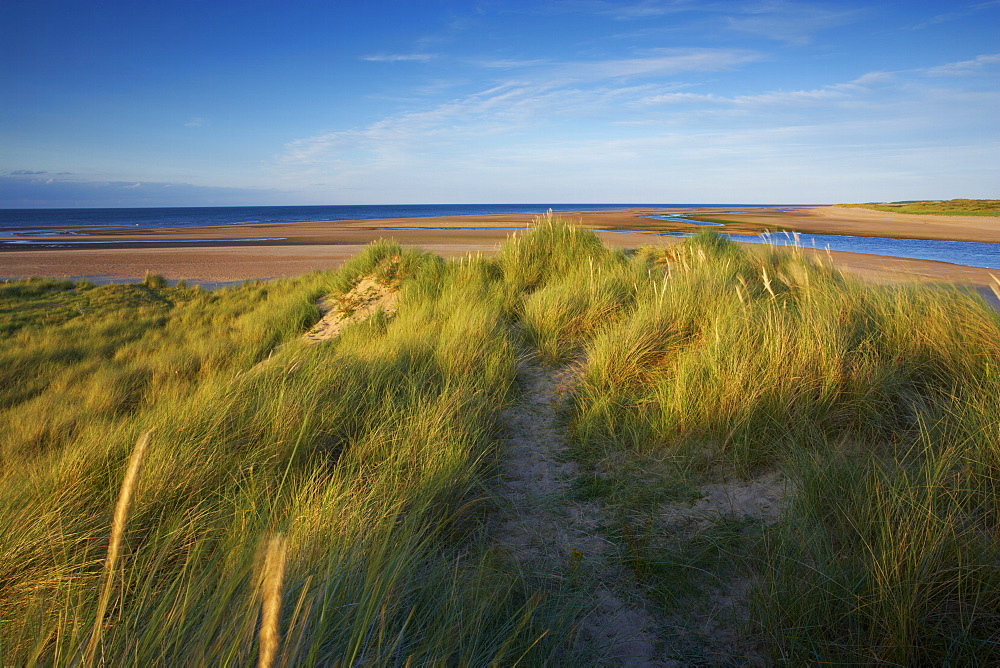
(114, 545)
(274, 573)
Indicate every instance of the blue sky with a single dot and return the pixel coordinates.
(157, 103)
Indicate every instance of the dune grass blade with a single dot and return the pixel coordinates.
(270, 630)
(114, 545)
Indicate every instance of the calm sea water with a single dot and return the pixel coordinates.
(28, 220)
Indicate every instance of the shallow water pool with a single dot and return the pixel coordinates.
(969, 253)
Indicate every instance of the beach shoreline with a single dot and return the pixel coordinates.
(221, 253)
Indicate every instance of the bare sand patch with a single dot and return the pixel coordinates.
(356, 305)
(709, 624)
(761, 498)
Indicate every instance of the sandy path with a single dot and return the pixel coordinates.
(554, 537)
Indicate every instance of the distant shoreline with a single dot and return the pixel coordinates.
(299, 247)
(200, 217)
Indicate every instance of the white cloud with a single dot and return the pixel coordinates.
(400, 57)
(196, 122)
(790, 22)
(873, 79)
(965, 67)
(642, 10)
(577, 128)
(953, 16)
(509, 63)
(680, 98)
(651, 64)
(622, 11)
(572, 89)
(662, 62)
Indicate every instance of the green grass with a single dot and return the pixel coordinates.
(952, 207)
(880, 402)
(373, 456)
(367, 453)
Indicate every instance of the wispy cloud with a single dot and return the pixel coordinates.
(608, 130)
(400, 57)
(509, 63)
(779, 20)
(965, 67)
(651, 63)
(961, 13)
(196, 122)
(643, 10)
(661, 62)
(538, 96)
(776, 99)
(873, 79)
(625, 11)
(790, 22)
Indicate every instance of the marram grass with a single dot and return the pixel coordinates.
(326, 504)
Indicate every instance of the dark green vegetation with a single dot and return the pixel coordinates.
(371, 455)
(951, 207)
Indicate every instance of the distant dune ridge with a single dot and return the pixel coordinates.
(953, 207)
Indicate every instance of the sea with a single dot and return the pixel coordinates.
(21, 221)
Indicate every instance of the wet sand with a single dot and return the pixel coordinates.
(126, 253)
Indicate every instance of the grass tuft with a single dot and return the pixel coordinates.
(152, 280)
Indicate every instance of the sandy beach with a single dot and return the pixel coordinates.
(220, 255)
